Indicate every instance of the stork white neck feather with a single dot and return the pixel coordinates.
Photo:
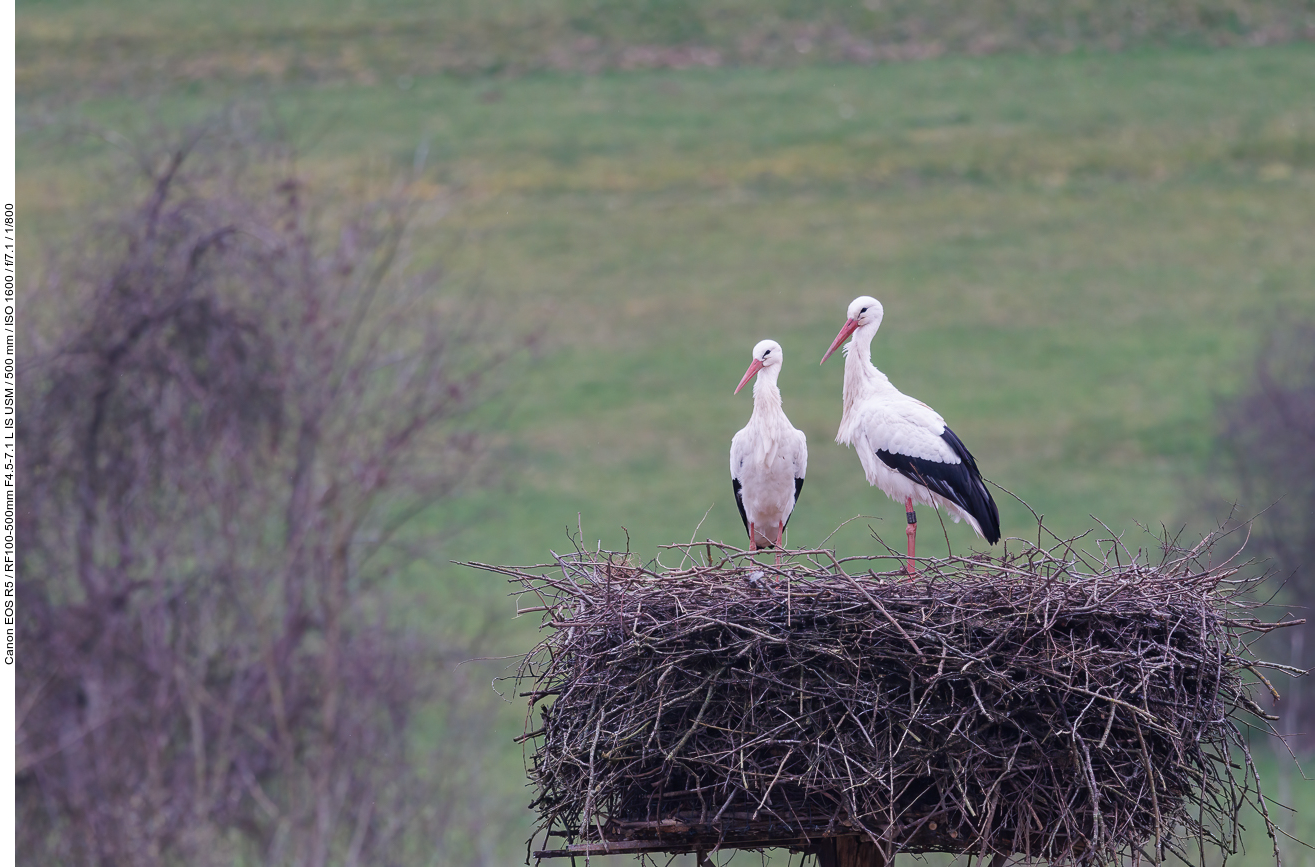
(862, 379)
(766, 394)
(768, 420)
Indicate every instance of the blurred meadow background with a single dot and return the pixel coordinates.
(1085, 222)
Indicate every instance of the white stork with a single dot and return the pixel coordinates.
(903, 444)
(768, 457)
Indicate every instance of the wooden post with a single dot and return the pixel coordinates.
(849, 852)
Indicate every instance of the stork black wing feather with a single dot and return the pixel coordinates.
(739, 501)
(798, 486)
(959, 483)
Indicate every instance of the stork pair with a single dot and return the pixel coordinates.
(904, 446)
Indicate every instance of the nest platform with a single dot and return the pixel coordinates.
(1071, 707)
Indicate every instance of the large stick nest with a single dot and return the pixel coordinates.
(1076, 707)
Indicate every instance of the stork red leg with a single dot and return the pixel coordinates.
(911, 531)
(780, 537)
(753, 542)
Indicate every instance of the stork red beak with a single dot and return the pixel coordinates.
(748, 374)
(848, 329)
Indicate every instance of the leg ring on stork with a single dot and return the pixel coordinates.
(911, 531)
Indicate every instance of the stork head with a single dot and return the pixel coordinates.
(767, 354)
(863, 311)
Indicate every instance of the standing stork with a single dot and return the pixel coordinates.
(768, 457)
(903, 444)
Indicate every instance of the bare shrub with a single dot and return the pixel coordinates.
(1268, 445)
(220, 455)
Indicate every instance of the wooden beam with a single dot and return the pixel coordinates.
(849, 852)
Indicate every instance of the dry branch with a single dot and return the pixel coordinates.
(1069, 705)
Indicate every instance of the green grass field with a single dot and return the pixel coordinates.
(70, 47)
(1077, 255)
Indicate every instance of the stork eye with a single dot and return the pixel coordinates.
(766, 353)
(861, 312)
